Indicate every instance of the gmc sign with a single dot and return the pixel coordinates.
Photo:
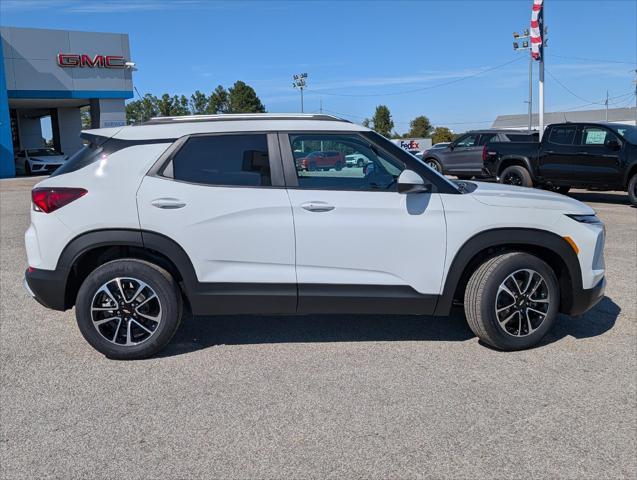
(70, 60)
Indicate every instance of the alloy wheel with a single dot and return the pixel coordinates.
(522, 302)
(512, 179)
(126, 311)
(434, 165)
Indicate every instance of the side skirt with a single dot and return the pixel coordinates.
(228, 299)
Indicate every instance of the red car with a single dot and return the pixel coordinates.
(321, 161)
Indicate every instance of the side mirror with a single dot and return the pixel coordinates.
(614, 144)
(451, 146)
(410, 182)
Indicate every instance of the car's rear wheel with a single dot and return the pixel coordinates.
(339, 166)
(512, 300)
(435, 164)
(128, 309)
(516, 175)
(27, 168)
(632, 190)
(359, 163)
(312, 167)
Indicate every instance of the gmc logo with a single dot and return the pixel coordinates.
(68, 60)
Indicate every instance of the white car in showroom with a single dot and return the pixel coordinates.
(213, 212)
(38, 160)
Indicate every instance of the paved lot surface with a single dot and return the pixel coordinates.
(344, 397)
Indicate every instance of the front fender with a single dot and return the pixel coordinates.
(478, 248)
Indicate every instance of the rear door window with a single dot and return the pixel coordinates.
(563, 134)
(224, 160)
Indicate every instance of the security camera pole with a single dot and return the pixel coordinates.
(300, 81)
(525, 46)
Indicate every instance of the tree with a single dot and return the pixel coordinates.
(366, 122)
(218, 101)
(142, 110)
(419, 127)
(198, 103)
(441, 134)
(85, 116)
(243, 99)
(382, 121)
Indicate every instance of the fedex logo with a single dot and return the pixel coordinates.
(411, 145)
(72, 60)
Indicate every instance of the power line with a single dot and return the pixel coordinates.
(588, 102)
(429, 87)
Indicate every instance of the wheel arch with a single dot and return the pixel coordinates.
(89, 250)
(550, 247)
(512, 160)
(632, 170)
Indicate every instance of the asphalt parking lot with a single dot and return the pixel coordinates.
(299, 397)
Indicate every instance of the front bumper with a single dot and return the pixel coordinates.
(47, 287)
(585, 299)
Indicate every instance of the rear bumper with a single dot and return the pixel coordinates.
(47, 287)
(585, 299)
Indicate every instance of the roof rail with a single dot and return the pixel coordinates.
(225, 117)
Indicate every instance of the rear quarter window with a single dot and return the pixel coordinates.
(563, 134)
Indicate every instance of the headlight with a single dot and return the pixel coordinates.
(591, 219)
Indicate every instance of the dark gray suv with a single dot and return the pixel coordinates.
(465, 155)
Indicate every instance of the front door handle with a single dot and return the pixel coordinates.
(168, 203)
(317, 207)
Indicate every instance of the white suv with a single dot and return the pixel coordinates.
(214, 213)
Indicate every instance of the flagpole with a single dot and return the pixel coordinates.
(541, 86)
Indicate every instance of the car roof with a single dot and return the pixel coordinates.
(175, 127)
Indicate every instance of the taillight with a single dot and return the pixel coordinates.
(485, 154)
(48, 200)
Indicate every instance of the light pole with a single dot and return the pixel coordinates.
(525, 46)
(300, 82)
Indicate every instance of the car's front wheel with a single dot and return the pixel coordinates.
(128, 309)
(512, 300)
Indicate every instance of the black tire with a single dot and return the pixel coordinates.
(359, 163)
(632, 190)
(516, 175)
(435, 164)
(168, 297)
(464, 177)
(27, 169)
(482, 294)
(338, 166)
(312, 167)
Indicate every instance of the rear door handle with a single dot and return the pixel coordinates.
(168, 203)
(317, 207)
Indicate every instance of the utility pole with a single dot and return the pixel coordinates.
(525, 46)
(636, 97)
(606, 103)
(321, 105)
(300, 82)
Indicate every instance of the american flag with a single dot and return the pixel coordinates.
(537, 29)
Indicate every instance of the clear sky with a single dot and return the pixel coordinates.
(359, 54)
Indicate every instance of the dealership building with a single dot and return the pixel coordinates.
(54, 73)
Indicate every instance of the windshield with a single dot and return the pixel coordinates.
(627, 131)
(43, 152)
